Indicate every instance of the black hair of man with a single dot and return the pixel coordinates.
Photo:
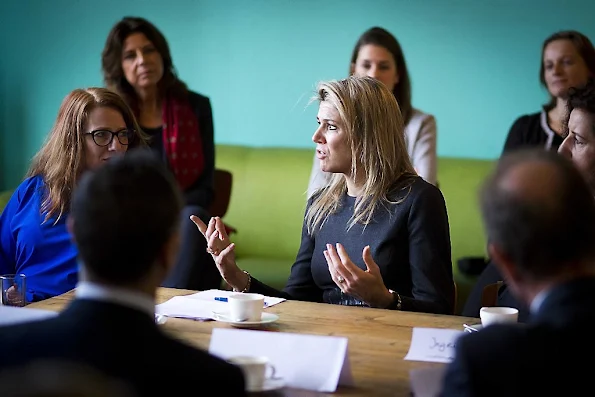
(124, 213)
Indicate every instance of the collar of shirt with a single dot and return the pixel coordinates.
(120, 296)
(538, 300)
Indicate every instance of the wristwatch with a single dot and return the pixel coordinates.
(396, 304)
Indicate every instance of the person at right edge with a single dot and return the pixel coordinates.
(539, 216)
(568, 60)
(578, 146)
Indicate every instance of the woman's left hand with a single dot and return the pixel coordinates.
(366, 285)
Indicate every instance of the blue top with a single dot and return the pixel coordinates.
(42, 251)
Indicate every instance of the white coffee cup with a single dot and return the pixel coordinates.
(498, 315)
(254, 369)
(246, 307)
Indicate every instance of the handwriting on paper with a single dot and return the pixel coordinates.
(441, 345)
(433, 344)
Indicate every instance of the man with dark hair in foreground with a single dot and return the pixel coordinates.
(539, 216)
(124, 221)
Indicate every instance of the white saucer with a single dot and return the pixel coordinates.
(269, 385)
(265, 318)
(476, 326)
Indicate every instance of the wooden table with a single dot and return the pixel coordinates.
(378, 339)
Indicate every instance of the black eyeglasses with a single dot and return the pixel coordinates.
(105, 137)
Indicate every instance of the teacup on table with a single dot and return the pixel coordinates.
(255, 370)
(245, 307)
(498, 315)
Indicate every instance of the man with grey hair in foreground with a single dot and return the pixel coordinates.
(539, 216)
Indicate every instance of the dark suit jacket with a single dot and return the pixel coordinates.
(549, 355)
(122, 343)
(410, 242)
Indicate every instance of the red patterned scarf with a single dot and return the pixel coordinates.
(182, 141)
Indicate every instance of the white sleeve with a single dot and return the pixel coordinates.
(424, 156)
(318, 178)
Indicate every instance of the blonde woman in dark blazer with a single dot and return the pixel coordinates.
(377, 235)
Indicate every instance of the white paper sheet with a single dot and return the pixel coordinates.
(183, 307)
(426, 382)
(211, 294)
(433, 344)
(311, 362)
(201, 305)
(13, 315)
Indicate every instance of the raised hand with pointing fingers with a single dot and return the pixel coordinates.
(222, 251)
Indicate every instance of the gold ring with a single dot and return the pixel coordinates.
(340, 279)
(210, 251)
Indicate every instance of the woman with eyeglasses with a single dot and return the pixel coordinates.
(137, 64)
(93, 126)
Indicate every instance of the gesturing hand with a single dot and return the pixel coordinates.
(222, 251)
(366, 285)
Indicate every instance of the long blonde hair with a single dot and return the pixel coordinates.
(375, 131)
(61, 159)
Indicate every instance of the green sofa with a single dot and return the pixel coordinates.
(268, 200)
(4, 197)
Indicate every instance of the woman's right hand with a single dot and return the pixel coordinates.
(222, 251)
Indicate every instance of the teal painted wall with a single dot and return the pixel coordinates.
(474, 63)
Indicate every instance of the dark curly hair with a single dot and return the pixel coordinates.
(383, 38)
(583, 46)
(582, 98)
(111, 60)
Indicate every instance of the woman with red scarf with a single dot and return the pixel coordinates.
(137, 64)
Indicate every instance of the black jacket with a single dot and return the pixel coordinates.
(532, 131)
(123, 343)
(549, 355)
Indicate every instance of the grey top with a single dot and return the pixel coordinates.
(409, 241)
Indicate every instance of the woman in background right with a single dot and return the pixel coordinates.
(567, 60)
(378, 54)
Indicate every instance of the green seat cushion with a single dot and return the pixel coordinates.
(268, 198)
(460, 180)
(272, 272)
(4, 197)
